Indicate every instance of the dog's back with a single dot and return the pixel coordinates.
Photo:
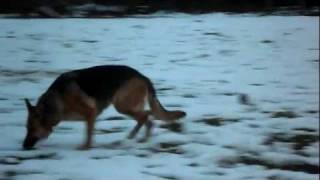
(99, 82)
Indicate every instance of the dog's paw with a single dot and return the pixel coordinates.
(131, 136)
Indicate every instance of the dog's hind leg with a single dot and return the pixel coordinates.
(130, 100)
(149, 126)
(142, 119)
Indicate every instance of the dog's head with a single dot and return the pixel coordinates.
(35, 128)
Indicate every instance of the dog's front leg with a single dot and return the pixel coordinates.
(89, 132)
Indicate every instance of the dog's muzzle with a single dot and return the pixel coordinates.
(29, 142)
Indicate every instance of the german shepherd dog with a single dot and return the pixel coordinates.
(83, 94)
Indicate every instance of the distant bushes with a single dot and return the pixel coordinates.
(147, 6)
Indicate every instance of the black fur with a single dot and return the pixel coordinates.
(99, 82)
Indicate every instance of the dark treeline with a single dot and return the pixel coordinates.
(148, 6)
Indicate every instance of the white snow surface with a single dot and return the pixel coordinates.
(200, 64)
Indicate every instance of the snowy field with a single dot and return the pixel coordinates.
(250, 86)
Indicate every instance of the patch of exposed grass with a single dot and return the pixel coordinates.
(165, 89)
(168, 147)
(189, 96)
(6, 110)
(215, 173)
(299, 141)
(254, 160)
(213, 34)
(305, 130)
(303, 140)
(312, 111)
(259, 68)
(217, 121)
(203, 56)
(244, 99)
(229, 94)
(67, 45)
(116, 118)
(253, 125)
(89, 41)
(285, 114)
(138, 26)
(214, 121)
(174, 127)
(154, 165)
(4, 98)
(227, 52)
(142, 155)
(267, 41)
(100, 157)
(12, 173)
(164, 176)
(257, 84)
(109, 131)
(9, 37)
(193, 164)
(48, 156)
(113, 145)
(169, 177)
(10, 161)
(221, 81)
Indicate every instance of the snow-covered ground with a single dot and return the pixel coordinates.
(250, 86)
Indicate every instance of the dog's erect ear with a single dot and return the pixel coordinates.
(28, 104)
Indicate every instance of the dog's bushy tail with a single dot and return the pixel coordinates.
(158, 110)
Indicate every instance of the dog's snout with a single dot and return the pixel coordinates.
(29, 142)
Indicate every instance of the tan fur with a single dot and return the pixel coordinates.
(76, 103)
(160, 113)
(129, 99)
